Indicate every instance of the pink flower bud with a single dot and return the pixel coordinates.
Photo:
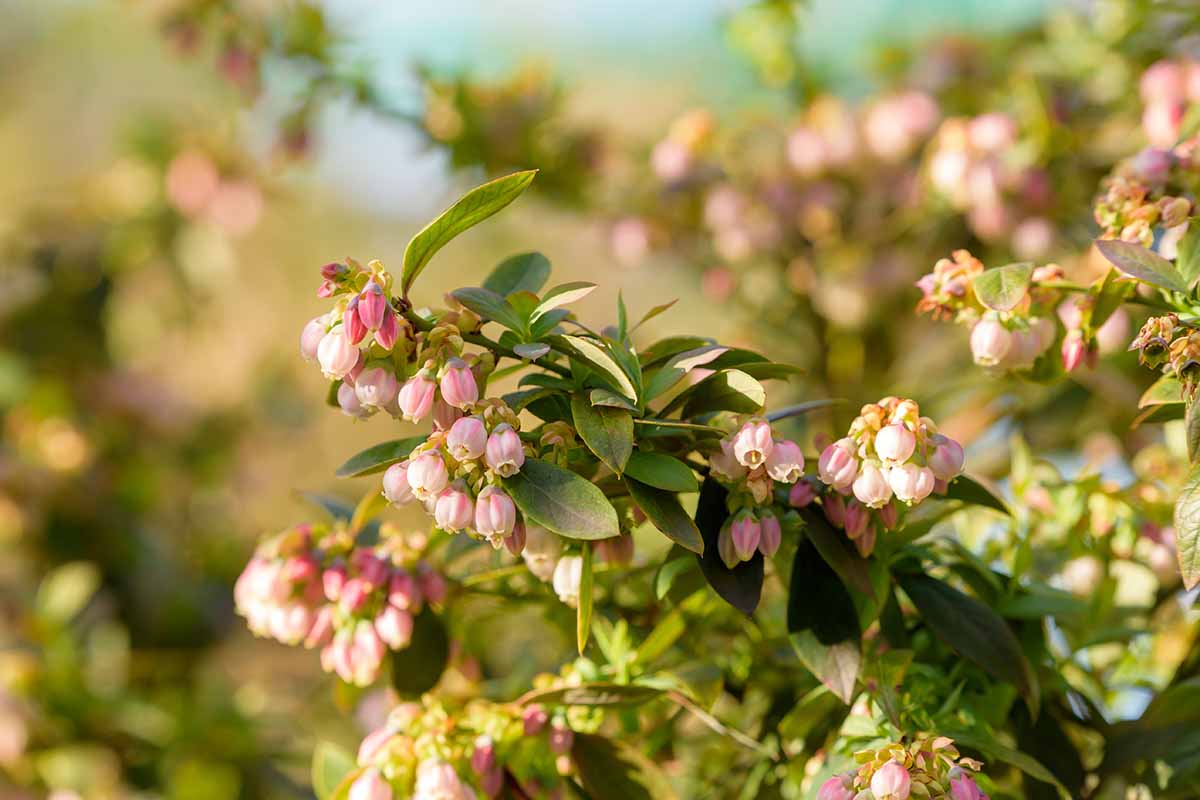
(376, 387)
(785, 462)
(437, 780)
(467, 439)
(617, 550)
(836, 788)
(349, 403)
(889, 515)
(838, 465)
(368, 654)
(725, 464)
(495, 515)
(370, 785)
(416, 397)
(336, 355)
(857, 519)
(372, 304)
(725, 547)
(801, 495)
(326, 289)
(371, 568)
(333, 579)
(946, 460)
(321, 632)
(352, 322)
(534, 718)
(515, 541)
(433, 585)
(1074, 350)
(911, 483)
(395, 627)
(746, 531)
(395, 484)
(483, 756)
(458, 385)
(454, 511)
(355, 594)
(403, 592)
(389, 330)
(1163, 81)
(445, 415)
(504, 453)
(427, 475)
(373, 744)
(561, 737)
(990, 342)
(771, 535)
(568, 574)
(310, 338)
(895, 443)
(753, 444)
(834, 508)
(891, 782)
(963, 787)
(333, 271)
(871, 486)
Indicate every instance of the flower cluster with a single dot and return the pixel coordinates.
(891, 456)
(311, 585)
(929, 767)
(428, 752)
(1174, 346)
(750, 463)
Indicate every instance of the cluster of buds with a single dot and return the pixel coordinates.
(750, 463)
(456, 473)
(1172, 345)
(929, 767)
(311, 586)
(431, 753)
(891, 456)
(1134, 201)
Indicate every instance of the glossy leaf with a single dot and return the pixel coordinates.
(563, 295)
(972, 492)
(470, 210)
(823, 622)
(613, 770)
(1003, 288)
(417, 668)
(728, 390)
(1187, 259)
(1167, 390)
(598, 359)
(583, 615)
(1191, 426)
(661, 471)
(562, 501)
(607, 397)
(741, 586)
(593, 694)
(662, 508)
(524, 272)
(802, 408)
(379, 457)
(1187, 529)
(679, 366)
(330, 766)
(1145, 265)
(663, 349)
(489, 305)
(838, 552)
(608, 432)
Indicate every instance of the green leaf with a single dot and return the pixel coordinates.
(490, 305)
(1167, 390)
(823, 622)
(1187, 529)
(1110, 295)
(974, 631)
(607, 397)
(995, 750)
(664, 511)
(669, 574)
(728, 390)
(599, 359)
(597, 693)
(971, 491)
(741, 586)
(652, 313)
(330, 766)
(1187, 260)
(608, 432)
(66, 590)
(612, 770)
(379, 457)
(837, 552)
(470, 210)
(369, 507)
(1145, 265)
(1191, 422)
(562, 295)
(583, 616)
(663, 349)
(1002, 288)
(524, 272)
(803, 408)
(417, 668)
(677, 367)
(562, 501)
(661, 472)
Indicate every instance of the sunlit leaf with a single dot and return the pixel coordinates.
(524, 272)
(1141, 263)
(608, 432)
(562, 501)
(662, 508)
(379, 457)
(1003, 288)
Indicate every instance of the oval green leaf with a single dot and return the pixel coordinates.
(611, 770)
(330, 766)
(417, 668)
(378, 457)
(1187, 529)
(592, 694)
(728, 390)
(607, 431)
(524, 272)
(971, 491)
(1165, 391)
(1002, 288)
(664, 511)
(1145, 265)
(562, 501)
(661, 471)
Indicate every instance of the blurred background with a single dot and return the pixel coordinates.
(174, 173)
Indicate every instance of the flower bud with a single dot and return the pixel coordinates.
(990, 342)
(416, 398)
(911, 483)
(373, 744)
(895, 443)
(368, 654)
(349, 404)
(454, 511)
(1175, 211)
(395, 627)
(838, 465)
(403, 592)
(445, 415)
(891, 782)
(515, 541)
(568, 574)
(310, 338)
(483, 763)
(372, 304)
(801, 495)
(871, 486)
(495, 515)
(770, 536)
(458, 385)
(370, 785)
(836, 788)
(857, 519)
(321, 632)
(834, 508)
(333, 580)
(725, 464)
(427, 475)
(963, 787)
(746, 532)
(561, 737)
(725, 547)
(433, 585)
(534, 719)
(753, 444)
(354, 595)
(389, 330)
(889, 515)
(946, 460)
(352, 322)
(336, 355)
(785, 463)
(376, 387)
(395, 484)
(504, 454)
(1074, 350)
(437, 780)
(467, 439)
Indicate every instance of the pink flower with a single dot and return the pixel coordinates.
(368, 652)
(321, 632)
(389, 330)
(376, 387)
(310, 338)
(437, 780)
(771, 535)
(504, 453)
(458, 385)
(834, 508)
(889, 515)
(946, 461)
(856, 520)
(616, 550)
(333, 580)
(373, 744)
(746, 531)
(785, 462)
(990, 342)
(372, 304)
(467, 439)
(352, 322)
(871, 487)
(395, 484)
(836, 788)
(725, 464)
(1074, 350)
(354, 594)
(416, 397)
(433, 585)
(568, 575)
(963, 787)
(445, 415)
(801, 495)
(515, 541)
(454, 511)
(911, 483)
(725, 547)
(838, 465)
(370, 785)
(495, 515)
(336, 355)
(561, 737)
(427, 475)
(891, 782)
(534, 718)
(753, 444)
(895, 443)
(349, 403)
(403, 592)
(395, 627)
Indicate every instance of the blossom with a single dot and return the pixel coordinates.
(910, 482)
(990, 342)
(336, 355)
(467, 439)
(458, 385)
(395, 484)
(753, 443)
(370, 785)
(771, 535)
(504, 453)
(895, 443)
(416, 397)
(946, 460)
(891, 782)
(838, 465)
(745, 533)
(568, 574)
(871, 487)
(495, 515)
(454, 510)
(427, 475)
(785, 463)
